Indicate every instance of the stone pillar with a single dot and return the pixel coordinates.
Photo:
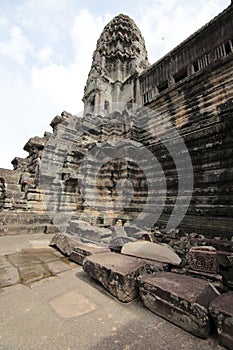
(97, 102)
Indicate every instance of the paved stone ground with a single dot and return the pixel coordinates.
(50, 303)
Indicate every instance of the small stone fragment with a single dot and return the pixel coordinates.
(203, 259)
(117, 243)
(221, 309)
(152, 251)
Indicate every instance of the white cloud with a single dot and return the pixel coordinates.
(165, 24)
(45, 55)
(61, 84)
(17, 47)
(64, 84)
(3, 21)
(85, 31)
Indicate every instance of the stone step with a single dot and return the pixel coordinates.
(182, 300)
(221, 309)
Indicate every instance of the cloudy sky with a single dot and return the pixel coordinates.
(46, 48)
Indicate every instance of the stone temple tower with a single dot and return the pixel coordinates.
(119, 58)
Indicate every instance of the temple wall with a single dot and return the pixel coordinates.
(203, 49)
(201, 110)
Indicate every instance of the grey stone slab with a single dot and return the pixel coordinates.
(8, 276)
(22, 259)
(4, 262)
(60, 266)
(43, 255)
(183, 300)
(72, 304)
(117, 273)
(221, 310)
(87, 231)
(30, 274)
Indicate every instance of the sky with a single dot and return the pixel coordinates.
(46, 49)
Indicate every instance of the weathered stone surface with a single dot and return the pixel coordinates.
(117, 273)
(215, 279)
(146, 236)
(182, 300)
(4, 262)
(8, 276)
(221, 310)
(203, 259)
(88, 232)
(59, 266)
(152, 266)
(44, 255)
(132, 230)
(72, 304)
(152, 251)
(80, 251)
(64, 242)
(117, 243)
(21, 259)
(32, 273)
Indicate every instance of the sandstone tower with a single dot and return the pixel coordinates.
(119, 58)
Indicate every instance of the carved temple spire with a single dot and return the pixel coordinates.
(120, 54)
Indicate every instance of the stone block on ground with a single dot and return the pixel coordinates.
(117, 273)
(221, 309)
(64, 242)
(88, 232)
(182, 300)
(203, 259)
(82, 250)
(152, 251)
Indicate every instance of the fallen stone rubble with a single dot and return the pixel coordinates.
(183, 300)
(184, 285)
